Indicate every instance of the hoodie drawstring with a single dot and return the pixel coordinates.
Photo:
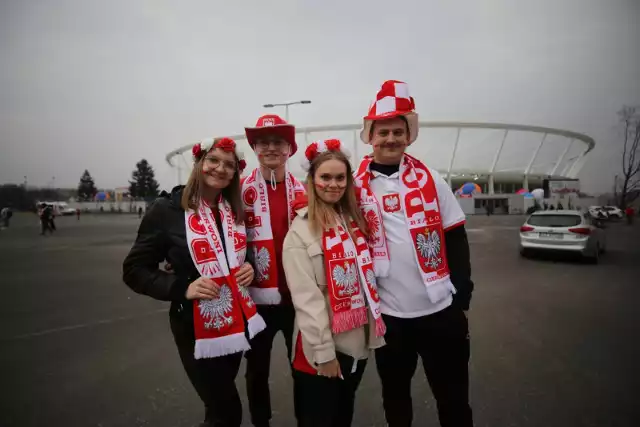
(272, 178)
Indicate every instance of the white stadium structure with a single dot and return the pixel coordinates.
(501, 158)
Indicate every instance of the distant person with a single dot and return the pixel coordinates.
(629, 212)
(330, 274)
(46, 217)
(5, 216)
(199, 229)
(140, 212)
(78, 213)
(52, 218)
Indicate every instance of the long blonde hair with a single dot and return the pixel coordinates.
(321, 215)
(192, 193)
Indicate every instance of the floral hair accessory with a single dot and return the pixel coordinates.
(319, 147)
(226, 144)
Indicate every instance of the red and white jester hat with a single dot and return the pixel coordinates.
(226, 144)
(392, 100)
(272, 124)
(319, 147)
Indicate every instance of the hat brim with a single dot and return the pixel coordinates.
(286, 132)
(412, 121)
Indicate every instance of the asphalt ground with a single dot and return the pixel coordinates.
(554, 341)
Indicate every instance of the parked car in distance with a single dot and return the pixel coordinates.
(65, 209)
(613, 212)
(562, 231)
(598, 212)
(59, 208)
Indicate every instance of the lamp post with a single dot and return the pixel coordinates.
(286, 106)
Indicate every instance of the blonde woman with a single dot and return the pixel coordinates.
(330, 275)
(199, 230)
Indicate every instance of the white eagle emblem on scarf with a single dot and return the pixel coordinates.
(244, 292)
(429, 247)
(345, 279)
(216, 309)
(262, 260)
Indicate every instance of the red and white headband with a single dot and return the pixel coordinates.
(226, 144)
(319, 147)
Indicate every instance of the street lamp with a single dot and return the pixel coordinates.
(286, 106)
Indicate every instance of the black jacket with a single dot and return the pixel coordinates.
(161, 237)
(458, 257)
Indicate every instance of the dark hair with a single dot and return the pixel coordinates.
(403, 118)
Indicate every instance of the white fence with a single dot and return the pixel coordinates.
(108, 206)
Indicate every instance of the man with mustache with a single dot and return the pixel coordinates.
(268, 194)
(421, 260)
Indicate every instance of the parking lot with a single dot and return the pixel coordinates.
(554, 341)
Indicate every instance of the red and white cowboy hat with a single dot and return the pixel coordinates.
(392, 100)
(319, 147)
(272, 124)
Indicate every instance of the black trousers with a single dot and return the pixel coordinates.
(278, 318)
(328, 402)
(45, 225)
(442, 342)
(214, 378)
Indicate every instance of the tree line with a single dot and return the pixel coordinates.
(142, 186)
(627, 189)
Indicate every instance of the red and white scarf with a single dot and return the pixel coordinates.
(264, 289)
(219, 322)
(419, 199)
(347, 266)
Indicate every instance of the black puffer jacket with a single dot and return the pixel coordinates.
(161, 237)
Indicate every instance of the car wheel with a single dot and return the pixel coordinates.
(595, 258)
(524, 253)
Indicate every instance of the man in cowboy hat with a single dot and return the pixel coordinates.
(268, 193)
(421, 260)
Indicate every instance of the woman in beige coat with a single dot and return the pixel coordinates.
(330, 275)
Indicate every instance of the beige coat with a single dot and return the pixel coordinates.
(303, 262)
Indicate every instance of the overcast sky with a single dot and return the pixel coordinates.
(99, 85)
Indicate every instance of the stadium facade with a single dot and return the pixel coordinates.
(501, 158)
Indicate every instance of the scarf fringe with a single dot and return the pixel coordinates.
(255, 324)
(347, 320)
(381, 328)
(265, 296)
(221, 346)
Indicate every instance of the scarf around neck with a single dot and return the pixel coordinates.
(219, 323)
(348, 266)
(419, 200)
(255, 199)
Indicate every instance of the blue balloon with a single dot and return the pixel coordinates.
(101, 196)
(468, 188)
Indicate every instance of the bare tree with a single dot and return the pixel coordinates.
(630, 179)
